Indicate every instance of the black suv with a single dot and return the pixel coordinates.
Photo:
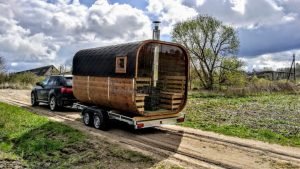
(54, 90)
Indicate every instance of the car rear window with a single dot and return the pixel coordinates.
(69, 81)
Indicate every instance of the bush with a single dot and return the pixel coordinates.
(2, 77)
(25, 78)
(257, 86)
(18, 81)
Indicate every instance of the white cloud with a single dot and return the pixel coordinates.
(200, 2)
(239, 13)
(18, 44)
(239, 5)
(14, 64)
(290, 17)
(271, 60)
(170, 12)
(122, 21)
(265, 27)
(41, 33)
(275, 5)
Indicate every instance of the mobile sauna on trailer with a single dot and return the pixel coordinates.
(143, 81)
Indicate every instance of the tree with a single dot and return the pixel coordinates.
(208, 42)
(62, 69)
(2, 65)
(230, 73)
(2, 70)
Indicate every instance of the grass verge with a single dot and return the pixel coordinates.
(36, 142)
(273, 118)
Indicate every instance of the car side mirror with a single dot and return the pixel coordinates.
(39, 84)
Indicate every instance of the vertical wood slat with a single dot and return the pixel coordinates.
(105, 91)
(119, 93)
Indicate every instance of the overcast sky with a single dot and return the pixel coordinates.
(35, 33)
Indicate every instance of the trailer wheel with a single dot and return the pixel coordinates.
(87, 118)
(101, 120)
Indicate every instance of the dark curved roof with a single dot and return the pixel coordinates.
(42, 71)
(101, 61)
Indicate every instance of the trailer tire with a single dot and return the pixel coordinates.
(87, 118)
(101, 120)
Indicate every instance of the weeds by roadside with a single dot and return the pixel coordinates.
(18, 81)
(273, 117)
(260, 86)
(36, 142)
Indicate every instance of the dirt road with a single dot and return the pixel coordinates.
(188, 147)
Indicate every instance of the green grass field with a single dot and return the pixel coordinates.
(273, 118)
(32, 140)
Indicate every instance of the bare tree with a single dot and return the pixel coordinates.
(208, 41)
(62, 69)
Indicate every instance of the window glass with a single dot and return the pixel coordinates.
(69, 81)
(45, 82)
(121, 62)
(171, 61)
(51, 82)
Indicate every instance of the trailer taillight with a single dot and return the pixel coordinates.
(66, 90)
(140, 125)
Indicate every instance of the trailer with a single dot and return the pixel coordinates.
(100, 118)
(143, 83)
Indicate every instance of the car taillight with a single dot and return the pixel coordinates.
(66, 90)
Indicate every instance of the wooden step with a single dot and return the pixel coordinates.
(169, 107)
(139, 98)
(171, 93)
(141, 95)
(170, 101)
(139, 104)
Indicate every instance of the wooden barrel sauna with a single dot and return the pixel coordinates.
(144, 78)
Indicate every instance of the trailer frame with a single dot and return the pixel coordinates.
(137, 122)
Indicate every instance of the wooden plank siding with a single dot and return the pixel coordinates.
(106, 91)
(120, 93)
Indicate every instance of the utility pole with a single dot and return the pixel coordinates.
(294, 72)
(294, 60)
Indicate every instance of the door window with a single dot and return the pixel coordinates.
(52, 81)
(69, 81)
(45, 82)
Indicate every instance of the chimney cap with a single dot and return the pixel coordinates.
(156, 23)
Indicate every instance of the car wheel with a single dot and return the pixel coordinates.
(53, 103)
(100, 121)
(33, 100)
(87, 118)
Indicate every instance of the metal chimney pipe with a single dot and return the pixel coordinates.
(156, 36)
(156, 31)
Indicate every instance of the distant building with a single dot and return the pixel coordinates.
(42, 71)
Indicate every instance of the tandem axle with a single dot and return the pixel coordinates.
(100, 118)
